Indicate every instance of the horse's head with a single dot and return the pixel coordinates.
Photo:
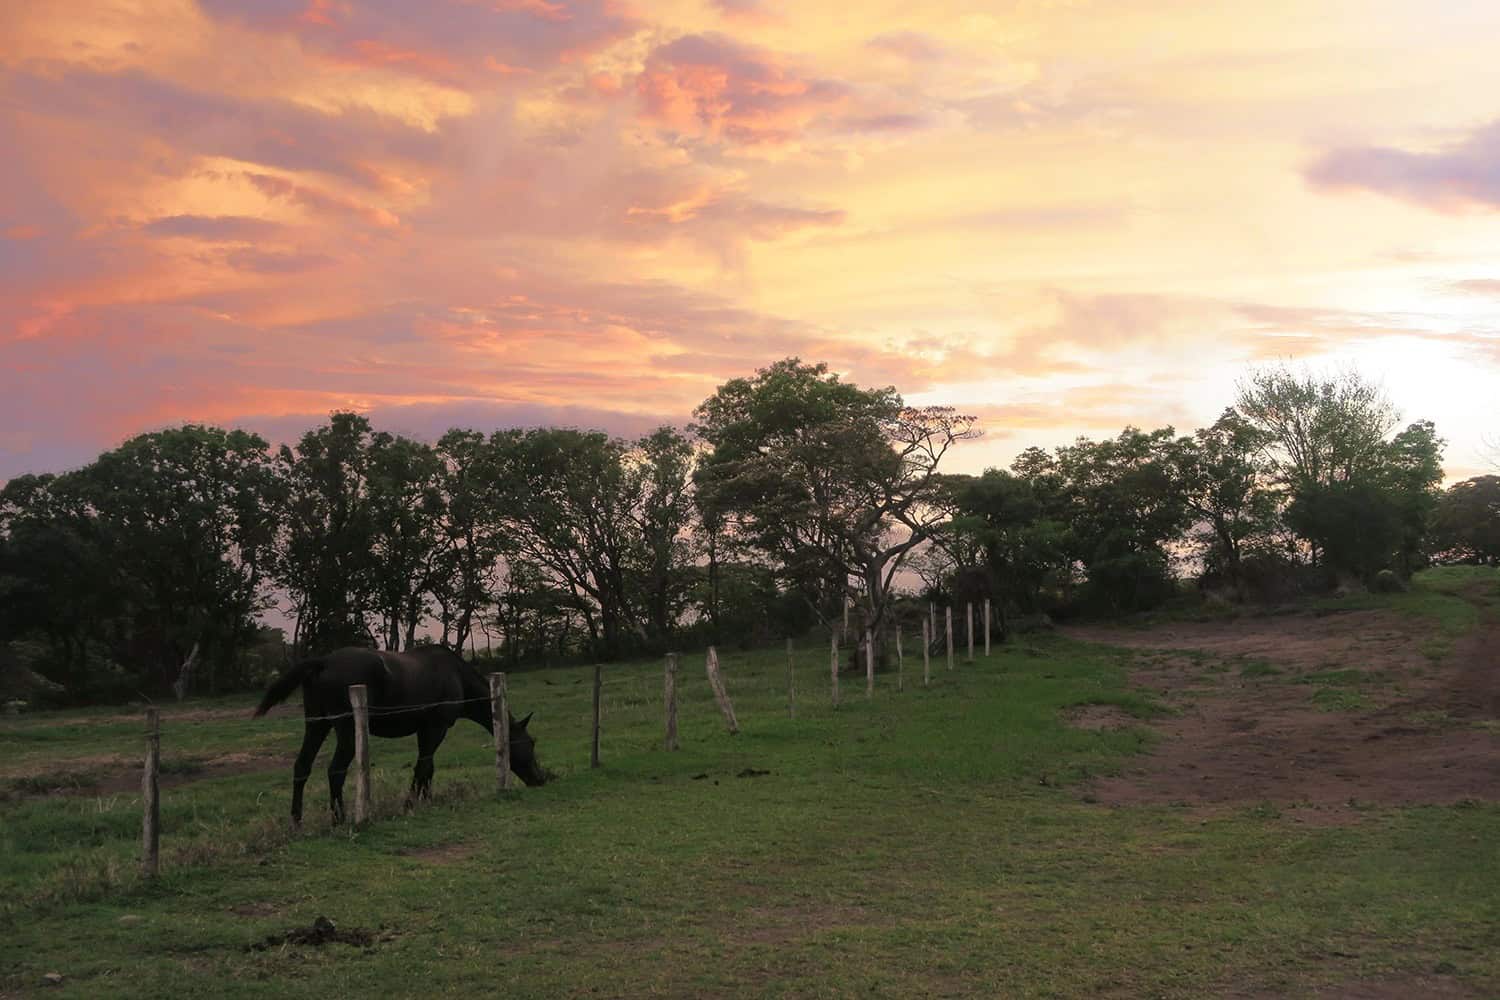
(523, 753)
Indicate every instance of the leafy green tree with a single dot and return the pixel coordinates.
(1022, 545)
(472, 531)
(56, 580)
(406, 507)
(1226, 484)
(326, 559)
(1362, 501)
(1467, 521)
(662, 464)
(827, 480)
(188, 517)
(1318, 431)
(1412, 476)
(1124, 506)
(570, 503)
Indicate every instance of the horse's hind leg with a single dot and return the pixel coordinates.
(428, 740)
(343, 755)
(313, 735)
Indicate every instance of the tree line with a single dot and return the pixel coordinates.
(791, 495)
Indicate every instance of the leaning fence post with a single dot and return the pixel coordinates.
(869, 664)
(721, 695)
(791, 682)
(150, 799)
(948, 621)
(671, 699)
(986, 626)
(359, 701)
(900, 663)
(500, 723)
(926, 652)
(833, 667)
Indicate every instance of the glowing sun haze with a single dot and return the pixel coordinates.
(1063, 215)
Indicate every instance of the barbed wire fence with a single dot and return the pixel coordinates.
(361, 712)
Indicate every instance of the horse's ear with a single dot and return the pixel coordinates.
(522, 723)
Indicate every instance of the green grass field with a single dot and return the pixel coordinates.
(931, 842)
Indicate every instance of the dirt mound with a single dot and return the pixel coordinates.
(1317, 714)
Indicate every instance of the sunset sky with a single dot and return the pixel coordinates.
(1063, 215)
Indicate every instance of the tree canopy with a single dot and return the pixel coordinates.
(793, 495)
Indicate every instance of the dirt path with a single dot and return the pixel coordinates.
(1316, 715)
(116, 774)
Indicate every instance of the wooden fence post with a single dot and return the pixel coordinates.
(926, 652)
(971, 632)
(869, 664)
(833, 667)
(931, 620)
(844, 634)
(948, 620)
(721, 695)
(791, 682)
(986, 626)
(598, 686)
(359, 701)
(500, 723)
(900, 663)
(671, 699)
(150, 798)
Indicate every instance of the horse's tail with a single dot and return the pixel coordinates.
(287, 683)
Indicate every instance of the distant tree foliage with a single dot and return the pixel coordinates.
(1466, 524)
(794, 494)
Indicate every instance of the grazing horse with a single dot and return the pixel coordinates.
(422, 691)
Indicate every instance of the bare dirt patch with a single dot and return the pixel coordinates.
(118, 774)
(443, 854)
(1098, 717)
(1319, 714)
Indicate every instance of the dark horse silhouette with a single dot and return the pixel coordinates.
(422, 691)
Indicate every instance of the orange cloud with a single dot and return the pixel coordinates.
(1056, 214)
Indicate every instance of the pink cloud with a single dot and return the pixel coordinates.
(1462, 175)
(713, 88)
